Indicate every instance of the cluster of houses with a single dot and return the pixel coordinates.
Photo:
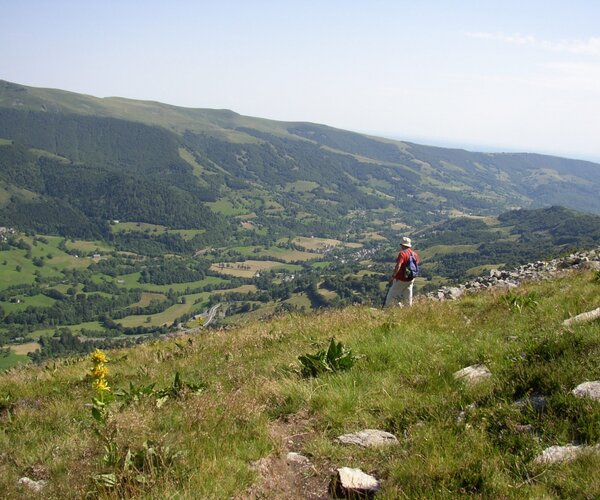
(5, 231)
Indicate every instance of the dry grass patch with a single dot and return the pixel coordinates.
(245, 269)
(240, 289)
(316, 243)
(25, 348)
(147, 298)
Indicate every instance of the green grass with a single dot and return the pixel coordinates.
(299, 301)
(26, 301)
(301, 186)
(10, 259)
(47, 154)
(11, 360)
(169, 315)
(255, 402)
(286, 254)
(144, 227)
(88, 246)
(226, 207)
(186, 156)
(446, 249)
(131, 281)
(49, 332)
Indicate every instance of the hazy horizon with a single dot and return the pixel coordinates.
(504, 76)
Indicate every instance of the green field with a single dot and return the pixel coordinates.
(299, 301)
(301, 186)
(155, 229)
(26, 301)
(131, 281)
(49, 332)
(226, 207)
(287, 254)
(446, 249)
(11, 359)
(89, 246)
(167, 317)
(54, 261)
(249, 268)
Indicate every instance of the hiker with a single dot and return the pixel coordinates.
(400, 291)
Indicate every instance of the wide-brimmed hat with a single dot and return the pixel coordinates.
(406, 242)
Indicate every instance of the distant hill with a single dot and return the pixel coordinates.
(71, 162)
(468, 245)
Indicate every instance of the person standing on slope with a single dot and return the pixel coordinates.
(401, 283)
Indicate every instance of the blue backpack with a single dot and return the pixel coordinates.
(411, 269)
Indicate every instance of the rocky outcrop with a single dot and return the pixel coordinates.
(507, 279)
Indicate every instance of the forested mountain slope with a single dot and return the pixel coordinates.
(81, 158)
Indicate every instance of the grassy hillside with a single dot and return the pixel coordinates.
(459, 247)
(192, 415)
(88, 160)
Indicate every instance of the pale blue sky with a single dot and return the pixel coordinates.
(500, 75)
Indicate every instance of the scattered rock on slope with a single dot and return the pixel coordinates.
(295, 459)
(583, 317)
(473, 374)
(588, 390)
(567, 453)
(35, 486)
(349, 483)
(368, 438)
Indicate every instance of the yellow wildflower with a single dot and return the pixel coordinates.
(99, 371)
(101, 385)
(98, 356)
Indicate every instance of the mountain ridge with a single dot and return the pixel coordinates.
(314, 175)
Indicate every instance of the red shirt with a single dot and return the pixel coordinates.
(401, 262)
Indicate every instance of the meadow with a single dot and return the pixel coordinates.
(249, 268)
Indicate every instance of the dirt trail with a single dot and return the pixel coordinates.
(277, 478)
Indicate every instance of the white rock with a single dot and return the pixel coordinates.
(555, 454)
(36, 486)
(294, 458)
(368, 438)
(583, 317)
(455, 292)
(350, 481)
(588, 390)
(473, 374)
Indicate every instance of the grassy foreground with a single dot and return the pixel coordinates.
(223, 400)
